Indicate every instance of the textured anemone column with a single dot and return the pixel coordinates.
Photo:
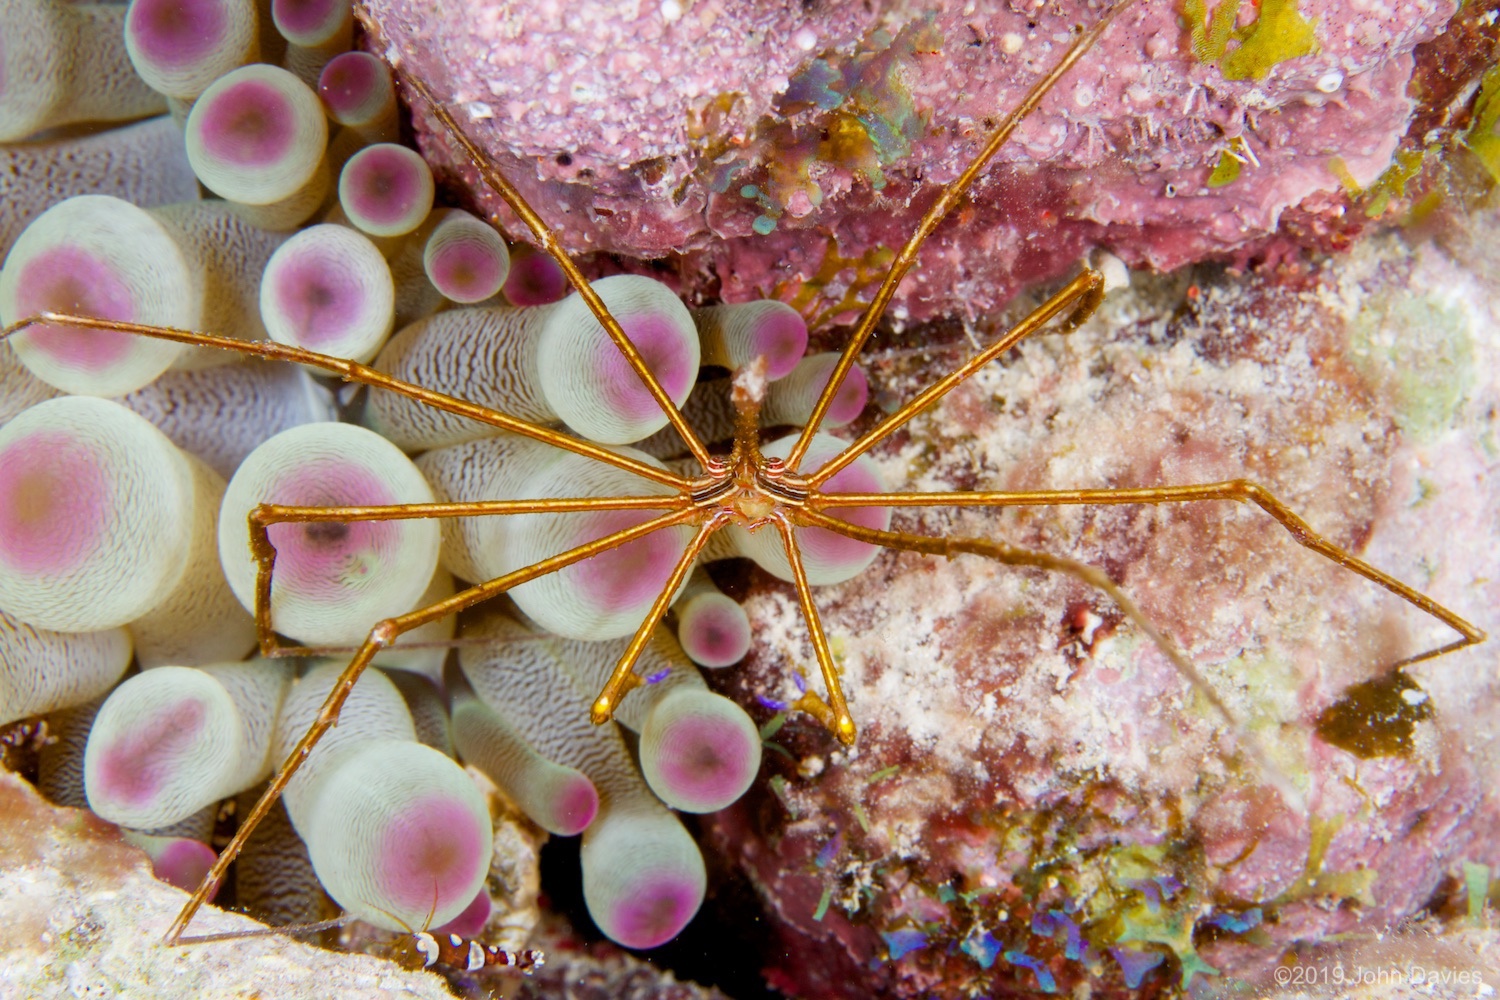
(543, 363)
(485, 354)
(558, 798)
(19, 389)
(62, 63)
(827, 556)
(736, 334)
(101, 257)
(179, 47)
(222, 414)
(256, 137)
(60, 760)
(712, 627)
(357, 92)
(428, 708)
(478, 470)
(43, 671)
(699, 751)
(398, 833)
(643, 876)
(605, 596)
(170, 741)
(465, 258)
(104, 522)
(329, 289)
(274, 879)
(144, 164)
(227, 252)
(316, 31)
(332, 580)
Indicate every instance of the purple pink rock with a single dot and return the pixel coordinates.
(1036, 796)
(787, 151)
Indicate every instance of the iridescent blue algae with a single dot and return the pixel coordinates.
(1124, 913)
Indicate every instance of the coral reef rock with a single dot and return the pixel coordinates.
(83, 916)
(1037, 800)
(786, 149)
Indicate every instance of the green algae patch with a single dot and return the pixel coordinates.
(1278, 34)
(1376, 718)
(1316, 883)
(1483, 137)
(1418, 351)
(1227, 171)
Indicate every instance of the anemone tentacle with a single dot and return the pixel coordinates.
(331, 580)
(88, 485)
(64, 64)
(398, 834)
(643, 875)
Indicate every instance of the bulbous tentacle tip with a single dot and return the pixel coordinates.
(257, 136)
(386, 190)
(470, 923)
(330, 290)
(310, 23)
(332, 579)
(399, 835)
(535, 279)
(586, 377)
(643, 876)
(654, 916)
(465, 259)
(714, 630)
(575, 804)
(165, 744)
(177, 861)
(356, 89)
(179, 47)
(87, 483)
(100, 257)
(699, 751)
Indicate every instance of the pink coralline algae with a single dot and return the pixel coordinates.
(787, 150)
(1037, 802)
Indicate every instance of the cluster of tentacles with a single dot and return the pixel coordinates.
(133, 463)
